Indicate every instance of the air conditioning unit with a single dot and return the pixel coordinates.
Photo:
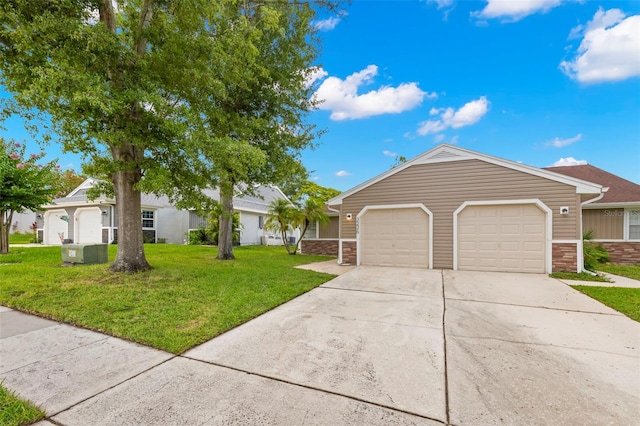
(85, 254)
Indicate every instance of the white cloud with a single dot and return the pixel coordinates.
(439, 138)
(316, 178)
(609, 49)
(514, 10)
(342, 173)
(445, 5)
(389, 153)
(388, 140)
(327, 24)
(314, 74)
(342, 99)
(470, 113)
(569, 161)
(442, 4)
(559, 143)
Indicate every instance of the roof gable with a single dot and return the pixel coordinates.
(448, 153)
(620, 190)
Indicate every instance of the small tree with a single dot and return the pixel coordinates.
(24, 185)
(284, 218)
(309, 189)
(69, 181)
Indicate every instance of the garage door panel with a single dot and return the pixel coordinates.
(490, 212)
(502, 238)
(89, 226)
(395, 237)
(56, 227)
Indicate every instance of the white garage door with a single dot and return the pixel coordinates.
(507, 238)
(88, 225)
(56, 225)
(395, 237)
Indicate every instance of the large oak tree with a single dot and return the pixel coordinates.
(107, 75)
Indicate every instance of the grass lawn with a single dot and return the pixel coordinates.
(188, 298)
(629, 271)
(16, 412)
(624, 300)
(581, 276)
(19, 238)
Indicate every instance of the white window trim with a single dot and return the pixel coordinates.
(626, 223)
(548, 223)
(390, 207)
(155, 218)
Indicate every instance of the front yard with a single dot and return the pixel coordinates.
(188, 298)
(624, 300)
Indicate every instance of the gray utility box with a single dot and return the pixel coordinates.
(84, 253)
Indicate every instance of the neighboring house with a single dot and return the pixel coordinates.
(78, 219)
(22, 222)
(452, 208)
(614, 217)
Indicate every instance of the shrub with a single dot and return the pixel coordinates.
(200, 236)
(594, 253)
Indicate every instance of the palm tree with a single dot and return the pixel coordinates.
(285, 217)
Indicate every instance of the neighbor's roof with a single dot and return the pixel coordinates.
(258, 201)
(620, 190)
(444, 153)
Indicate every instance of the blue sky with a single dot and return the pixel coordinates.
(536, 81)
(531, 81)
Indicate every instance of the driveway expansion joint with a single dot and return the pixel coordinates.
(548, 345)
(613, 314)
(326, 391)
(378, 292)
(444, 351)
(344, 318)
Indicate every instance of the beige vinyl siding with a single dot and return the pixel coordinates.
(330, 230)
(607, 224)
(443, 187)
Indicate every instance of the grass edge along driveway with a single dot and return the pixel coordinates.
(188, 297)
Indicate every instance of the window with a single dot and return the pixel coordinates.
(634, 224)
(147, 218)
(260, 222)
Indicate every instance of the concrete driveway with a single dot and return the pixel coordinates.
(383, 346)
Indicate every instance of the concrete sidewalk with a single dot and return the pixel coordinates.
(616, 281)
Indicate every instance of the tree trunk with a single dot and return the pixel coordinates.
(130, 254)
(5, 226)
(225, 234)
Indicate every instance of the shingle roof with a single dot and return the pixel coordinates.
(620, 190)
(259, 200)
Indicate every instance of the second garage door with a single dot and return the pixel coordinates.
(395, 237)
(508, 238)
(88, 225)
